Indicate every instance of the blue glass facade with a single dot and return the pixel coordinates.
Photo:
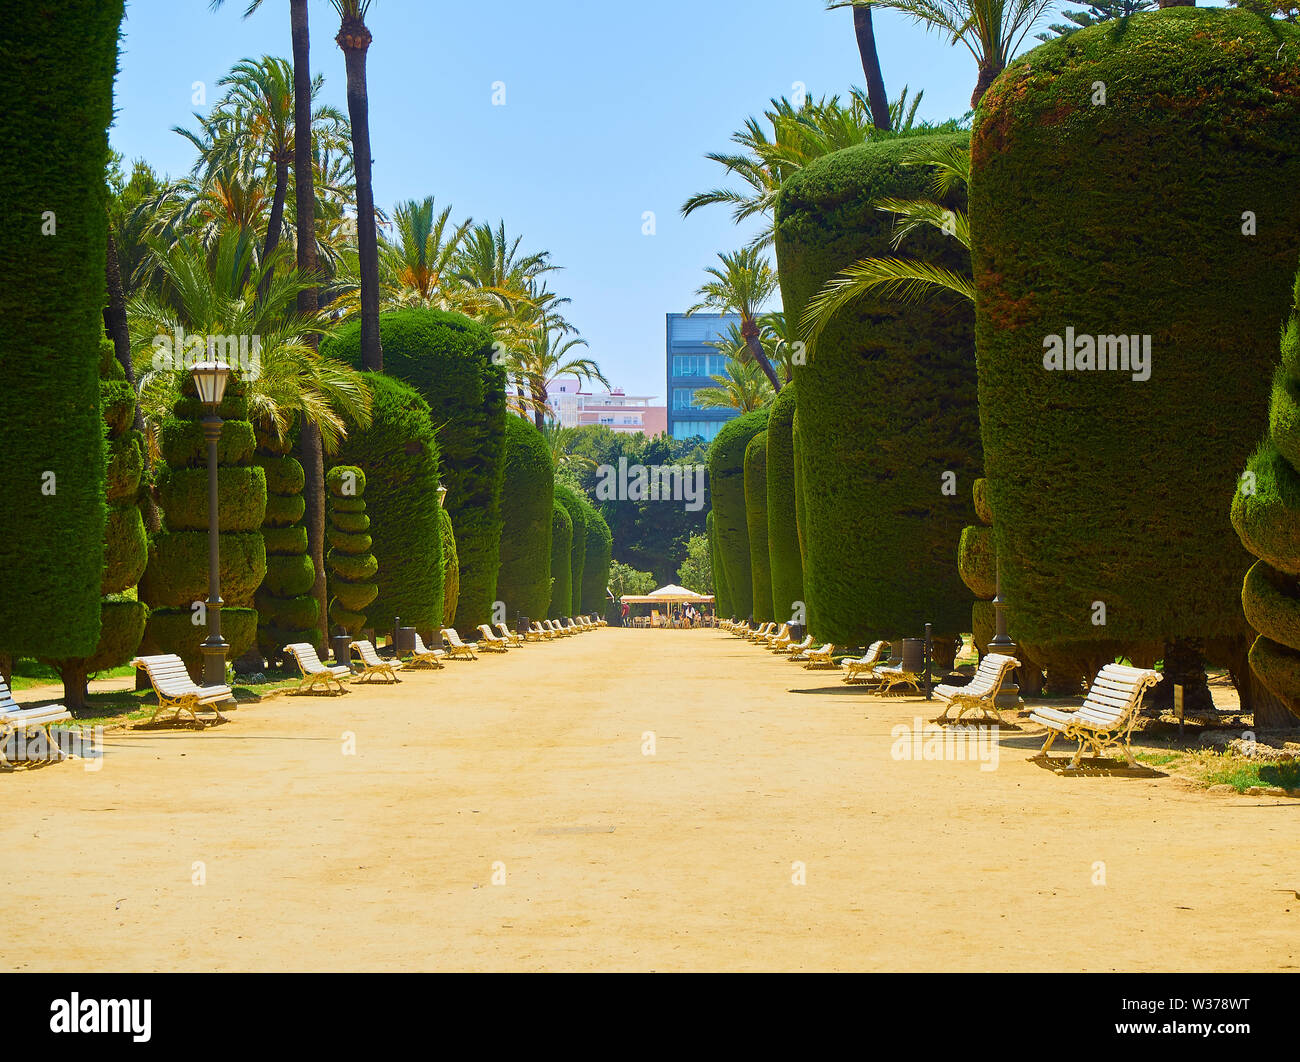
(690, 361)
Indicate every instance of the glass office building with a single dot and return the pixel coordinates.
(690, 363)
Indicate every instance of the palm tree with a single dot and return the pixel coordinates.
(744, 283)
(1098, 11)
(417, 267)
(354, 39)
(742, 386)
(547, 355)
(215, 292)
(905, 279)
(864, 32)
(991, 30)
(562, 443)
(798, 135)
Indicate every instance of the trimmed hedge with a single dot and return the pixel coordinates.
(450, 569)
(447, 358)
(886, 404)
(573, 504)
(1266, 515)
(597, 559)
(561, 558)
(177, 573)
(527, 497)
(760, 570)
(721, 597)
(288, 609)
(1128, 217)
(57, 82)
(730, 522)
(400, 458)
(351, 568)
(784, 560)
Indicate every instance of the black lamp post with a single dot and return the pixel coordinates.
(210, 378)
(1002, 643)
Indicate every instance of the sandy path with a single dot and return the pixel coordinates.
(317, 860)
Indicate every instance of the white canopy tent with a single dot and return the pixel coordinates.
(672, 594)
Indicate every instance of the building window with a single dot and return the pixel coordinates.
(684, 429)
(684, 398)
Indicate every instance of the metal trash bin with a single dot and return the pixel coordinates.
(341, 646)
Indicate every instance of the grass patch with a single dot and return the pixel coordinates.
(1209, 767)
(30, 673)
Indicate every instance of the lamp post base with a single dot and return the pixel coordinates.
(214, 661)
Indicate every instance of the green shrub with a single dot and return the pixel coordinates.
(760, 570)
(399, 455)
(172, 630)
(289, 576)
(450, 569)
(447, 358)
(573, 504)
(975, 561)
(596, 561)
(351, 567)
(1095, 477)
(182, 445)
(177, 573)
(782, 528)
(886, 404)
(1266, 515)
(125, 468)
(126, 549)
(730, 522)
(284, 541)
(527, 497)
(721, 599)
(241, 498)
(57, 80)
(561, 557)
(284, 510)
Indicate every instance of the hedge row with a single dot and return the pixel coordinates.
(561, 558)
(596, 562)
(576, 505)
(350, 566)
(730, 521)
(1166, 212)
(886, 405)
(57, 82)
(450, 569)
(527, 497)
(399, 457)
(782, 528)
(448, 359)
(756, 524)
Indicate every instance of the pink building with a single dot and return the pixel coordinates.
(574, 406)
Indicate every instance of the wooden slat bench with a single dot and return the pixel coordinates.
(372, 666)
(861, 671)
(314, 672)
(1107, 716)
(981, 692)
(177, 692)
(17, 721)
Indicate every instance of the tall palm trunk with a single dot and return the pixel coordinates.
(749, 332)
(309, 442)
(865, 32)
(988, 73)
(276, 222)
(354, 38)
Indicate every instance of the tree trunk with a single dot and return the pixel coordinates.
(73, 673)
(866, 35)
(1184, 666)
(1270, 711)
(303, 176)
(749, 332)
(312, 454)
(354, 38)
(7, 668)
(275, 223)
(988, 73)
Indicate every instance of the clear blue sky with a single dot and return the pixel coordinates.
(609, 110)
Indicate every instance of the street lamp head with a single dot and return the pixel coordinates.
(442, 495)
(210, 378)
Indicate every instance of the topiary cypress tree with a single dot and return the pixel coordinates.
(976, 565)
(351, 567)
(448, 359)
(287, 609)
(176, 578)
(596, 561)
(450, 569)
(527, 497)
(1266, 515)
(782, 526)
(730, 522)
(57, 79)
(561, 558)
(756, 523)
(126, 547)
(888, 425)
(1094, 475)
(400, 458)
(573, 504)
(721, 597)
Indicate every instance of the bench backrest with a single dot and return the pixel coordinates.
(805, 644)
(449, 635)
(420, 648)
(991, 673)
(784, 631)
(7, 702)
(366, 651)
(168, 674)
(486, 631)
(305, 654)
(875, 651)
(1115, 694)
(505, 631)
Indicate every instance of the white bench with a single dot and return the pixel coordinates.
(981, 692)
(176, 691)
(313, 671)
(1107, 716)
(455, 647)
(372, 665)
(15, 720)
(490, 643)
(861, 671)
